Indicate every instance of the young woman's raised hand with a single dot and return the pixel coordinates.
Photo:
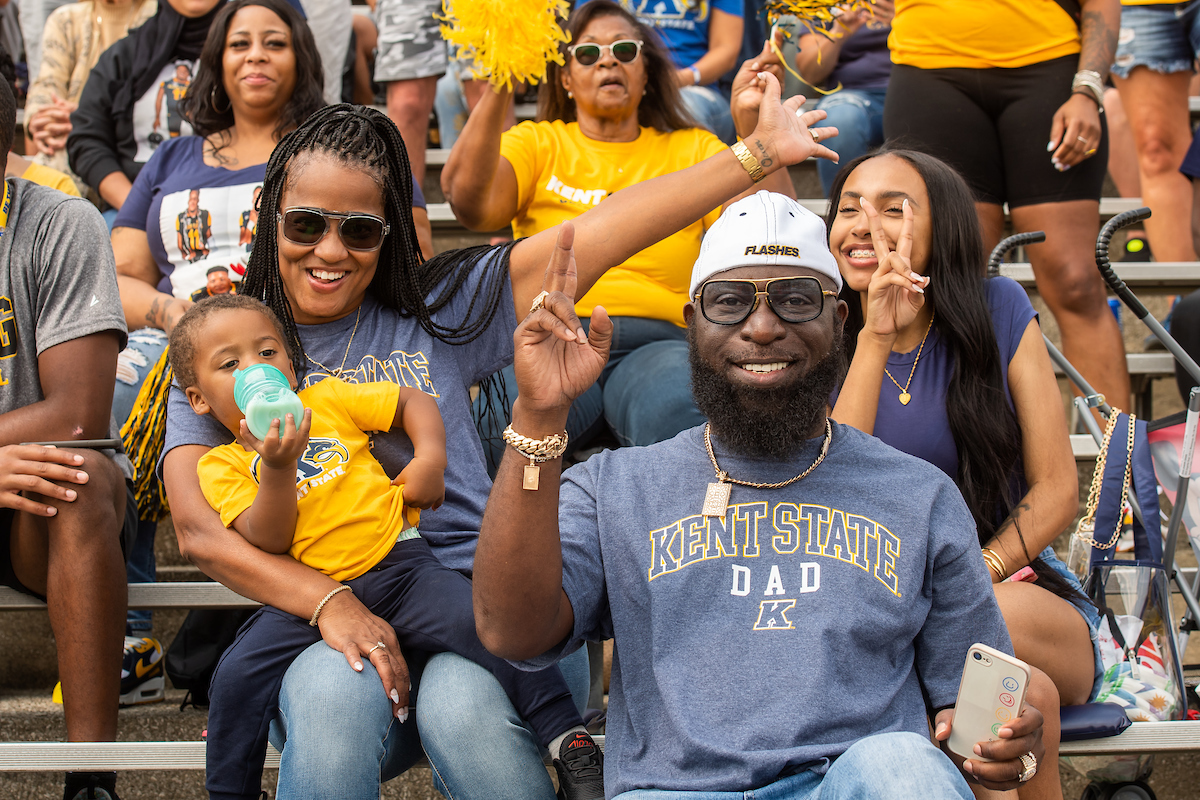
(896, 293)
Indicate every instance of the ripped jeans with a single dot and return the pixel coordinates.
(858, 116)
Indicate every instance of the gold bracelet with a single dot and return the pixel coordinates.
(749, 162)
(995, 562)
(324, 600)
(537, 451)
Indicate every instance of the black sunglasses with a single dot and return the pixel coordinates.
(623, 50)
(730, 302)
(307, 226)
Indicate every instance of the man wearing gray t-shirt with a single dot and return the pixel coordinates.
(791, 600)
(61, 508)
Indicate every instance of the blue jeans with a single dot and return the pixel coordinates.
(428, 605)
(644, 394)
(339, 739)
(710, 109)
(891, 766)
(858, 116)
(1164, 38)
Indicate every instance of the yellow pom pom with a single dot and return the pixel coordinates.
(506, 39)
(810, 11)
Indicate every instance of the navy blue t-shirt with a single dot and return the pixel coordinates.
(864, 61)
(196, 216)
(922, 428)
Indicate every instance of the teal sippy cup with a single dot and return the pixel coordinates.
(263, 394)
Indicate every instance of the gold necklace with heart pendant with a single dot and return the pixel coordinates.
(904, 395)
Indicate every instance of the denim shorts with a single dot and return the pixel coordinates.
(1164, 38)
(1088, 611)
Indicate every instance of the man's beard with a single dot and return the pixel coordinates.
(765, 423)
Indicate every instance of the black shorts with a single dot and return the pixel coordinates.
(8, 576)
(992, 125)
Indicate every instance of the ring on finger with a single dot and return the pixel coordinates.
(1029, 762)
(539, 302)
(1081, 140)
(378, 646)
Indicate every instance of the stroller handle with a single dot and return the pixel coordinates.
(1011, 243)
(1103, 241)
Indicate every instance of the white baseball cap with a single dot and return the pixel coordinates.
(769, 229)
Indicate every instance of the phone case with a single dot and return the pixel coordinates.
(992, 692)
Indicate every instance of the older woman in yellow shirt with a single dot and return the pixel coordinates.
(610, 118)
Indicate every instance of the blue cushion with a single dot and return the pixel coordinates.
(1092, 721)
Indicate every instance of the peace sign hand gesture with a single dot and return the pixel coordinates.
(896, 294)
(554, 360)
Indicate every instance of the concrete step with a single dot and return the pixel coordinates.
(30, 716)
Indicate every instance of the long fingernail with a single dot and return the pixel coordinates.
(402, 714)
(395, 696)
(358, 666)
(862, 201)
(905, 203)
(1050, 147)
(917, 288)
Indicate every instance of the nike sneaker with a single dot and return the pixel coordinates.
(142, 678)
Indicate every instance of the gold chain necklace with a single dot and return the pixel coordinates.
(716, 499)
(1087, 525)
(337, 373)
(904, 395)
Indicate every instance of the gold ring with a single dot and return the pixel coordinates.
(816, 136)
(539, 302)
(378, 646)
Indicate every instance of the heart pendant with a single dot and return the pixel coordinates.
(904, 398)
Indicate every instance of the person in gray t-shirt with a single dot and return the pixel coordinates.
(791, 600)
(62, 509)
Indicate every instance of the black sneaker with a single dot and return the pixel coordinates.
(580, 767)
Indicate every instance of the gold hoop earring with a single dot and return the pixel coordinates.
(212, 96)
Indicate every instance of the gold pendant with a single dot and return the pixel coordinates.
(530, 480)
(904, 398)
(716, 499)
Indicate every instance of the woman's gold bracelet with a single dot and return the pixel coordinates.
(995, 563)
(324, 600)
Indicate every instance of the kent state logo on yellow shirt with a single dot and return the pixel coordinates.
(324, 459)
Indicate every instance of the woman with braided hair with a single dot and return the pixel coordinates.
(336, 258)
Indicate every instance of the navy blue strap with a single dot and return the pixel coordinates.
(1147, 544)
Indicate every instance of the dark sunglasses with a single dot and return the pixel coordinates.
(730, 302)
(307, 226)
(623, 50)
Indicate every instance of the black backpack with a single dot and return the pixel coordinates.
(192, 657)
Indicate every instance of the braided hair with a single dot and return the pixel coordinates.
(364, 139)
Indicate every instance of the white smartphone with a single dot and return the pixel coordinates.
(991, 693)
